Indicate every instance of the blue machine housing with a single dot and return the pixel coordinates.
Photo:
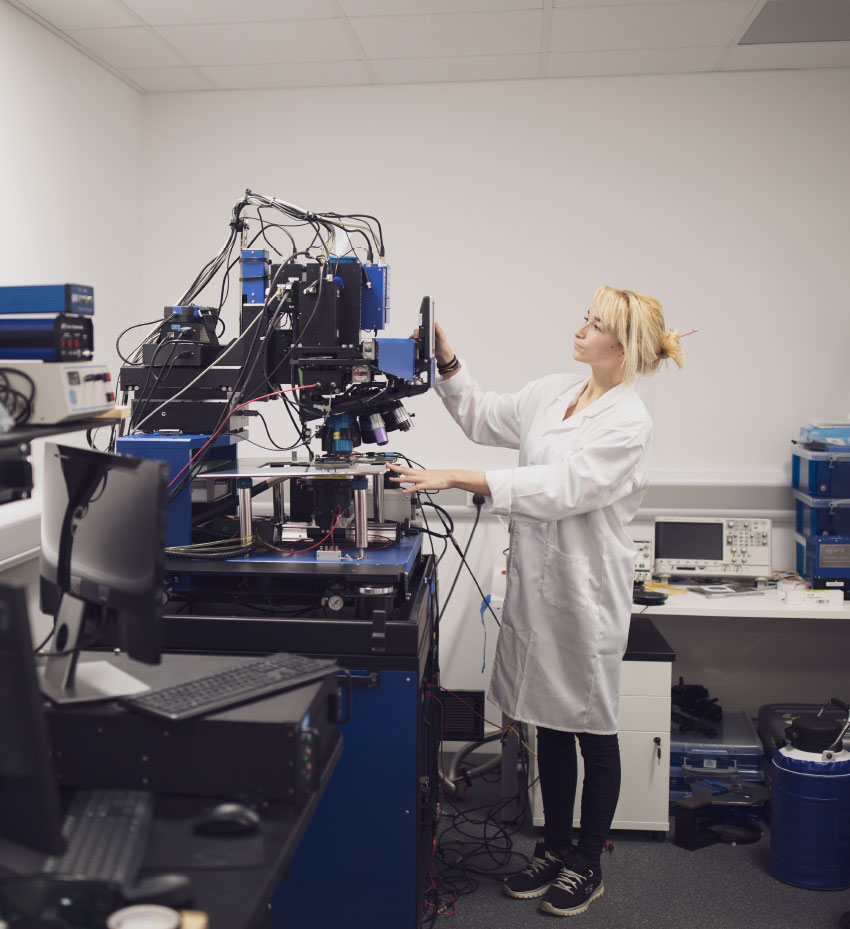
(176, 451)
(397, 357)
(374, 306)
(255, 275)
(48, 298)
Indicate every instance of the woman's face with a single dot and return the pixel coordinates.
(594, 345)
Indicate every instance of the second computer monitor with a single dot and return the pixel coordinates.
(102, 550)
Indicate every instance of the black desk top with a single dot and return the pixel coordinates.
(646, 643)
(234, 877)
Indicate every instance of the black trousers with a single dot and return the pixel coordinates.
(558, 766)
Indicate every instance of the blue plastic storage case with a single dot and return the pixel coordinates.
(821, 474)
(822, 515)
(736, 747)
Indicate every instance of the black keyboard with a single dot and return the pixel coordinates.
(231, 686)
(106, 832)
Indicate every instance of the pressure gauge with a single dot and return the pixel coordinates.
(336, 602)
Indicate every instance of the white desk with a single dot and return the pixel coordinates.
(753, 650)
(766, 605)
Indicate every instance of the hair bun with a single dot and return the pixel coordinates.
(671, 346)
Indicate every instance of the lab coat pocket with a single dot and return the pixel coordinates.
(566, 581)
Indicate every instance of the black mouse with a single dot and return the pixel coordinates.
(227, 819)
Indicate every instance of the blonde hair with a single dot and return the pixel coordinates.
(637, 323)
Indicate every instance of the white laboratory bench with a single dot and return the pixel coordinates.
(764, 605)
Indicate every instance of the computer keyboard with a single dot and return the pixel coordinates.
(232, 686)
(106, 832)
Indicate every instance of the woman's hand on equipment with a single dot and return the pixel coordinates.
(427, 479)
(421, 478)
(442, 351)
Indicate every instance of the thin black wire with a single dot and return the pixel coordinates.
(449, 527)
(121, 335)
(463, 558)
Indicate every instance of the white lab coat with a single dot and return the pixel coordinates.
(568, 604)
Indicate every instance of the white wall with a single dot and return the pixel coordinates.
(725, 195)
(70, 178)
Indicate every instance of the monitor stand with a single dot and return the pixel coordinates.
(63, 680)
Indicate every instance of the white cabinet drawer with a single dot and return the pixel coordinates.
(640, 714)
(645, 678)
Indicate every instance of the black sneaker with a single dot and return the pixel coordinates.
(576, 886)
(542, 869)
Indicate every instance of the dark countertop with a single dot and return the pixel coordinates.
(646, 643)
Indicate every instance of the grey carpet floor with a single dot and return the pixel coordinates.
(656, 885)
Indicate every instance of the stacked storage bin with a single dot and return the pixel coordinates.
(820, 473)
(736, 749)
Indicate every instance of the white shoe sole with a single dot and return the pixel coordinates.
(520, 894)
(576, 910)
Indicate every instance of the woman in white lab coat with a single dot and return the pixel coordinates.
(583, 453)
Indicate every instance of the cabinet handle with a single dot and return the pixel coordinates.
(657, 741)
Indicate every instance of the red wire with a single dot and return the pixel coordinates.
(214, 436)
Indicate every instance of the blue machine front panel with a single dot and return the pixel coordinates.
(373, 304)
(255, 273)
(398, 357)
(356, 865)
(403, 553)
(176, 451)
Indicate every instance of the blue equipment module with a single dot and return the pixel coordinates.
(397, 357)
(825, 561)
(374, 300)
(46, 338)
(255, 275)
(402, 554)
(821, 474)
(48, 298)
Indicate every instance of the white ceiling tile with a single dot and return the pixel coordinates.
(135, 47)
(634, 61)
(239, 44)
(410, 7)
(449, 35)
(657, 25)
(564, 4)
(187, 12)
(302, 74)
(168, 80)
(81, 14)
(447, 70)
(789, 55)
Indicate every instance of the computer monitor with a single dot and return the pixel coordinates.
(30, 812)
(102, 550)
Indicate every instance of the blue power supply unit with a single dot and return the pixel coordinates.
(255, 275)
(48, 298)
(46, 338)
(374, 305)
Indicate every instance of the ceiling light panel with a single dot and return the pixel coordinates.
(792, 21)
(449, 36)
(786, 55)
(659, 25)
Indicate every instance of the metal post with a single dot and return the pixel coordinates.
(361, 523)
(378, 497)
(246, 522)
